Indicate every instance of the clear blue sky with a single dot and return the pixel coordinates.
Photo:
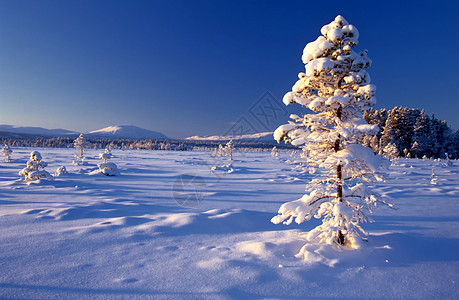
(195, 67)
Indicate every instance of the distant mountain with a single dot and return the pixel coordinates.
(125, 132)
(262, 137)
(111, 132)
(18, 131)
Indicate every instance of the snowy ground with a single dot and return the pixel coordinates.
(92, 236)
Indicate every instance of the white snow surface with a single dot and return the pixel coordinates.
(86, 236)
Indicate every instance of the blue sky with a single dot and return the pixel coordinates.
(195, 67)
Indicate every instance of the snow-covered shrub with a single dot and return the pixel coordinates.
(6, 151)
(336, 87)
(433, 177)
(274, 152)
(35, 169)
(79, 144)
(60, 170)
(228, 168)
(107, 168)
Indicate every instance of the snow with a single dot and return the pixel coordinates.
(315, 49)
(338, 29)
(123, 237)
(125, 131)
(356, 152)
(319, 65)
(263, 136)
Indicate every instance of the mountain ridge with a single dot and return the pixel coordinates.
(109, 132)
(264, 137)
(126, 131)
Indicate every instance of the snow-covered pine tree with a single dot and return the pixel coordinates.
(434, 179)
(421, 139)
(79, 144)
(61, 170)
(227, 151)
(374, 144)
(107, 168)
(35, 169)
(336, 87)
(391, 151)
(6, 151)
(391, 130)
(221, 150)
(274, 152)
(229, 148)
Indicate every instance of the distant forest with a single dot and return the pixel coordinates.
(403, 132)
(174, 145)
(411, 133)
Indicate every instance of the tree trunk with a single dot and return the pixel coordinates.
(339, 174)
(339, 177)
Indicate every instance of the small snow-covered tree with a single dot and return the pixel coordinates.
(220, 151)
(61, 170)
(107, 168)
(79, 144)
(433, 178)
(374, 144)
(6, 151)
(274, 152)
(226, 150)
(405, 152)
(391, 151)
(336, 87)
(35, 169)
(229, 148)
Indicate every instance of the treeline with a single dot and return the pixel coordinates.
(173, 145)
(66, 142)
(409, 132)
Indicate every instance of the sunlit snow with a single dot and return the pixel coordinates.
(100, 237)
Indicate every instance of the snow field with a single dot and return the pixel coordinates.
(95, 237)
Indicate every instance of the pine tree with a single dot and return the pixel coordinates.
(336, 87)
(229, 148)
(6, 151)
(391, 151)
(390, 130)
(107, 168)
(274, 152)
(421, 138)
(35, 169)
(79, 144)
(374, 144)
